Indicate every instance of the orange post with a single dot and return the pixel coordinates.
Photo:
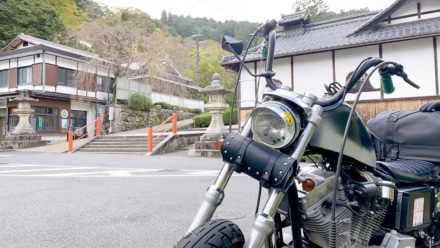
(150, 137)
(98, 126)
(70, 141)
(174, 122)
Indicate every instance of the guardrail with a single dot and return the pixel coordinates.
(173, 120)
(85, 134)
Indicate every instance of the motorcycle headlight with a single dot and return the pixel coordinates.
(275, 124)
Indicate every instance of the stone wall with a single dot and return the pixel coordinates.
(126, 119)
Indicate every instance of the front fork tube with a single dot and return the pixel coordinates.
(215, 193)
(263, 224)
(264, 221)
(213, 197)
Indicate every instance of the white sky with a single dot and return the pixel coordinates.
(238, 10)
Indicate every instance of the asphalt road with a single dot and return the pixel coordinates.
(110, 200)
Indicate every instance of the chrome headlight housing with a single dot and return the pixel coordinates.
(274, 124)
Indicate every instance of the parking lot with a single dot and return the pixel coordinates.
(110, 200)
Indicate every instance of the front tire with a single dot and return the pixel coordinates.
(216, 234)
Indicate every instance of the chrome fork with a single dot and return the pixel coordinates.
(215, 193)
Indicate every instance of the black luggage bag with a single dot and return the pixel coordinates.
(407, 134)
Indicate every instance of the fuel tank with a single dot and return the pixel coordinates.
(329, 135)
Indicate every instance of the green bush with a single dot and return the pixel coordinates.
(141, 102)
(226, 116)
(195, 110)
(204, 120)
(165, 105)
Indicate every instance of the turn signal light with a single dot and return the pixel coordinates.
(218, 144)
(308, 185)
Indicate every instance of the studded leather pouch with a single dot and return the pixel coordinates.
(269, 166)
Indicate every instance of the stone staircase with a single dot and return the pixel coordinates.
(118, 144)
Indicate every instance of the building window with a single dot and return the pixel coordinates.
(4, 76)
(12, 122)
(46, 118)
(65, 77)
(105, 84)
(79, 119)
(25, 75)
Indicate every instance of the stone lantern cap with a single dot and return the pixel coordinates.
(23, 97)
(216, 86)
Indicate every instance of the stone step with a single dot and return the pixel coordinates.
(114, 150)
(115, 146)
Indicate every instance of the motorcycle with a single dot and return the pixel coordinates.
(346, 199)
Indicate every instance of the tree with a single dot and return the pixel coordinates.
(210, 54)
(67, 10)
(130, 39)
(33, 17)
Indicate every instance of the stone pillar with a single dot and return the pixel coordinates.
(216, 130)
(23, 111)
(23, 135)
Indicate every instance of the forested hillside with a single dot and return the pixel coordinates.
(125, 36)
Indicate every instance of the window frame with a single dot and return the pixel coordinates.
(63, 77)
(4, 78)
(25, 71)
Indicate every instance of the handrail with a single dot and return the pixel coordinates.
(71, 132)
(173, 118)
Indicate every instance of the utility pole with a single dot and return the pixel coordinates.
(197, 36)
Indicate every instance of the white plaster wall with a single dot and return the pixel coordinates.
(66, 63)
(38, 59)
(49, 59)
(429, 6)
(4, 64)
(407, 9)
(311, 72)
(417, 58)
(247, 88)
(283, 71)
(25, 61)
(347, 60)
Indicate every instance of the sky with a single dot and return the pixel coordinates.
(238, 10)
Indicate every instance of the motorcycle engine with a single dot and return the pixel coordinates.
(351, 227)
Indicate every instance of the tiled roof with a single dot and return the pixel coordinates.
(347, 32)
(298, 17)
(37, 41)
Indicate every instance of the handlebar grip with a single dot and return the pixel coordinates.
(406, 79)
(268, 26)
(387, 84)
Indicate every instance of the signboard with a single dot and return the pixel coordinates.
(64, 113)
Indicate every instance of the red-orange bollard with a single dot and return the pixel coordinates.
(98, 126)
(150, 137)
(70, 141)
(174, 123)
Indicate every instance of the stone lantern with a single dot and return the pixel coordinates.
(23, 135)
(216, 106)
(23, 111)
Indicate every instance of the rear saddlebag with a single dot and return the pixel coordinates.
(407, 134)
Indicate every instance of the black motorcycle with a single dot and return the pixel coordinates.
(345, 197)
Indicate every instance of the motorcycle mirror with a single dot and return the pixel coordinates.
(232, 45)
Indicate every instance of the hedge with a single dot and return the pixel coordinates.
(141, 102)
(204, 120)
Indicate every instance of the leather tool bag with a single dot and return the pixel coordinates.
(269, 166)
(407, 134)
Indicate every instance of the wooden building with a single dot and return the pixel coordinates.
(309, 55)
